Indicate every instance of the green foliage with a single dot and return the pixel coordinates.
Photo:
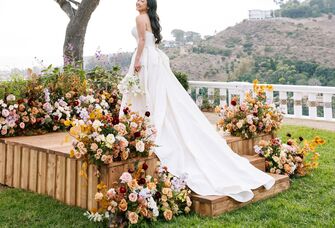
(305, 9)
(102, 79)
(284, 71)
(17, 86)
(212, 50)
(182, 78)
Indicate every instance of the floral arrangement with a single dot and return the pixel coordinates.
(294, 158)
(131, 84)
(252, 117)
(138, 197)
(101, 138)
(52, 99)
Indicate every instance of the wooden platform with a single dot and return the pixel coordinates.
(42, 164)
(217, 205)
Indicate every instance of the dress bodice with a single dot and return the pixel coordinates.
(149, 37)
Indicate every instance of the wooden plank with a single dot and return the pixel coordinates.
(9, 165)
(71, 174)
(114, 174)
(25, 168)
(92, 188)
(60, 178)
(51, 175)
(82, 187)
(42, 172)
(17, 166)
(217, 205)
(2, 163)
(33, 168)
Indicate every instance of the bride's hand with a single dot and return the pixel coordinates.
(137, 66)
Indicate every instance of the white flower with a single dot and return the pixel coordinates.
(110, 139)
(140, 146)
(98, 196)
(11, 97)
(5, 112)
(100, 138)
(97, 124)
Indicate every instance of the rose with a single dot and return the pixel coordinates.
(133, 217)
(123, 205)
(22, 125)
(168, 215)
(111, 193)
(140, 146)
(252, 128)
(98, 196)
(126, 177)
(5, 112)
(110, 139)
(94, 146)
(132, 197)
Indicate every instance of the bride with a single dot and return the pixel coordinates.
(188, 143)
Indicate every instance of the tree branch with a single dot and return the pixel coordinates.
(74, 2)
(67, 8)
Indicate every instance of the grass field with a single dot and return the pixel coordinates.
(310, 202)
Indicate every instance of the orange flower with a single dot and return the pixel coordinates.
(123, 205)
(133, 217)
(168, 215)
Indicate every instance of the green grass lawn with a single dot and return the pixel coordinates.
(310, 202)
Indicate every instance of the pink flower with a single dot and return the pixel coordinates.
(5, 112)
(22, 125)
(110, 193)
(133, 197)
(4, 131)
(126, 177)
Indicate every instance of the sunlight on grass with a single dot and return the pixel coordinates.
(308, 203)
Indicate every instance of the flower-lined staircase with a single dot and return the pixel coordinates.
(217, 205)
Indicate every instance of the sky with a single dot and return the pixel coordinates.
(36, 28)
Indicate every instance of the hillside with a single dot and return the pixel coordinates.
(213, 59)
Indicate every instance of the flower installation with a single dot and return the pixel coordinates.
(101, 138)
(293, 158)
(50, 101)
(252, 117)
(138, 197)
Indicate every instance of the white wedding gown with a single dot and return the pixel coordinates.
(188, 141)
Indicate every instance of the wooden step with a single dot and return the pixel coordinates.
(257, 161)
(245, 146)
(217, 205)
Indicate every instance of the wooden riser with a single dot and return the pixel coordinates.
(244, 146)
(42, 164)
(216, 205)
(257, 161)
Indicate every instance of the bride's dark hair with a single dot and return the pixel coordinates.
(154, 20)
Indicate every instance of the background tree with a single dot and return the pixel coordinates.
(79, 13)
(179, 35)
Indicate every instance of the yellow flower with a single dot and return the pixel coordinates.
(255, 82)
(67, 123)
(269, 87)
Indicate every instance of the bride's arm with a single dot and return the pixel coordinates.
(140, 25)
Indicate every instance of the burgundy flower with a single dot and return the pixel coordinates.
(233, 103)
(158, 195)
(76, 103)
(122, 190)
(141, 181)
(137, 134)
(288, 135)
(115, 120)
(289, 143)
(147, 113)
(131, 171)
(145, 166)
(20, 101)
(301, 139)
(255, 114)
(126, 111)
(56, 118)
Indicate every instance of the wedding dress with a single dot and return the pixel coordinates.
(188, 143)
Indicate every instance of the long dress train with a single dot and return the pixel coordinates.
(189, 144)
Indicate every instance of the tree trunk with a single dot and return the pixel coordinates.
(76, 29)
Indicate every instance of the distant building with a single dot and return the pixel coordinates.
(257, 14)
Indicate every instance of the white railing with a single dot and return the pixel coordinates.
(311, 102)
